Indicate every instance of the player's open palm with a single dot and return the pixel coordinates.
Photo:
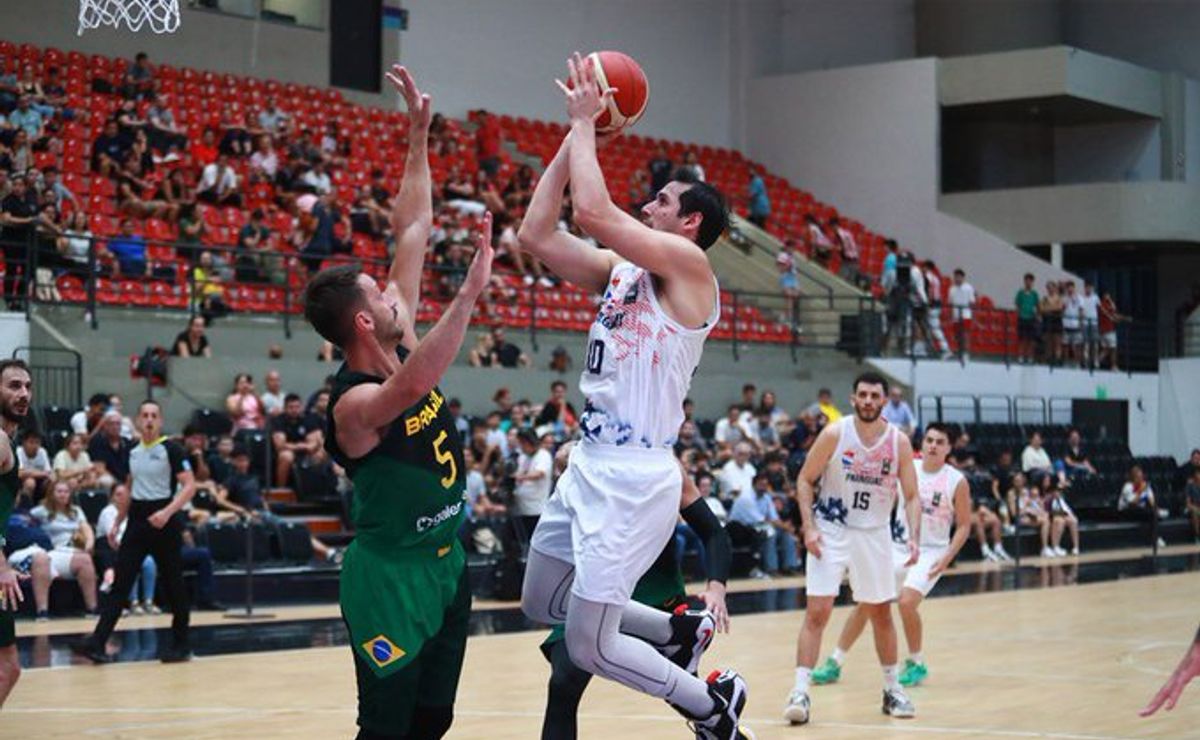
(585, 100)
(417, 103)
(480, 273)
(812, 541)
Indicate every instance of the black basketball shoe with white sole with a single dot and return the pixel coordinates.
(692, 632)
(728, 690)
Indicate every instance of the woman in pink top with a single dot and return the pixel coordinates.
(244, 405)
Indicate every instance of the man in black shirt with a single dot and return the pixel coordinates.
(506, 353)
(296, 437)
(245, 491)
(661, 168)
(111, 450)
(17, 217)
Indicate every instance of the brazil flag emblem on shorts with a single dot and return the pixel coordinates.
(382, 650)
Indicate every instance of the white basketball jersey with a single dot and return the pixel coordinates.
(639, 365)
(937, 504)
(858, 487)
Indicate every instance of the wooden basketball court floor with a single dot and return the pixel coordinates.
(1075, 662)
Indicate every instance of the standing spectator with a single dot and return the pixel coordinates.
(1026, 301)
(849, 247)
(737, 475)
(273, 397)
(760, 204)
(487, 143)
(73, 465)
(296, 438)
(660, 168)
(34, 467)
(159, 469)
(789, 283)
(1051, 310)
(53, 184)
(109, 452)
(79, 242)
(505, 353)
(820, 247)
(219, 184)
(192, 342)
(1192, 504)
(1072, 324)
(244, 405)
(139, 78)
(129, 250)
(962, 303)
(1109, 318)
(898, 413)
(531, 482)
(1089, 315)
(17, 223)
(73, 541)
(558, 412)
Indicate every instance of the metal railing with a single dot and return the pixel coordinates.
(57, 375)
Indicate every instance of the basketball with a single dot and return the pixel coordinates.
(614, 69)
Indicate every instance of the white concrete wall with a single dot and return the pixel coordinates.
(1179, 407)
(1141, 389)
(1108, 152)
(866, 140)
(14, 332)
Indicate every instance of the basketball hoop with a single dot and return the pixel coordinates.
(161, 15)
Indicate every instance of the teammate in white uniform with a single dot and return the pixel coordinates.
(945, 498)
(858, 462)
(615, 507)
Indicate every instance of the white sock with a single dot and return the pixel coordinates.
(803, 678)
(891, 678)
(917, 658)
(839, 656)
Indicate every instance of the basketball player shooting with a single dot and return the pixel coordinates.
(857, 461)
(615, 506)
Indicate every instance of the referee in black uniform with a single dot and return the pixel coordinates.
(157, 467)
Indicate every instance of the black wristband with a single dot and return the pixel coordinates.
(717, 548)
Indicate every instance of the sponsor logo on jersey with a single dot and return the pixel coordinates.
(382, 651)
(848, 458)
(426, 523)
(423, 418)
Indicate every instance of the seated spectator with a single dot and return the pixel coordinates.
(730, 431)
(986, 525)
(1028, 502)
(764, 434)
(689, 439)
(1137, 494)
(73, 541)
(482, 528)
(211, 500)
(131, 187)
(963, 454)
(192, 342)
(209, 288)
(243, 404)
(273, 397)
(1076, 461)
(505, 353)
(1061, 517)
(754, 509)
(108, 539)
(139, 78)
(252, 240)
(317, 179)
(1000, 475)
(1035, 461)
(73, 465)
(220, 459)
(558, 413)
(898, 413)
(296, 437)
(823, 406)
(1184, 472)
(28, 119)
(163, 133)
(30, 86)
(799, 440)
(272, 119)
(108, 150)
(560, 361)
(34, 468)
(1191, 503)
(737, 475)
(109, 452)
(129, 249)
(204, 152)
(128, 430)
(87, 420)
(219, 184)
(28, 553)
(53, 184)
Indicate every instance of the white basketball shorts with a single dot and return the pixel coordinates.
(918, 578)
(865, 553)
(612, 513)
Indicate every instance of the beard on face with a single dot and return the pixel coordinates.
(9, 413)
(867, 416)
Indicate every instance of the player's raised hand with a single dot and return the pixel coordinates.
(585, 100)
(480, 273)
(812, 541)
(418, 104)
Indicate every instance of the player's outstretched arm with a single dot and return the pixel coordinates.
(567, 256)
(412, 209)
(370, 406)
(814, 465)
(662, 253)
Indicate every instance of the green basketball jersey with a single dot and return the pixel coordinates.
(408, 490)
(10, 485)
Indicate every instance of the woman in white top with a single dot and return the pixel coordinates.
(73, 465)
(73, 541)
(78, 238)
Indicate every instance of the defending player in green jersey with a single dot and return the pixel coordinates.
(404, 593)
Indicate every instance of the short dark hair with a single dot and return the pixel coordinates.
(1029, 276)
(960, 271)
(870, 378)
(528, 436)
(331, 300)
(558, 383)
(824, 392)
(946, 429)
(98, 399)
(749, 387)
(29, 434)
(706, 200)
(291, 397)
(20, 365)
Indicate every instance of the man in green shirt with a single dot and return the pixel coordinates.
(1027, 315)
(16, 392)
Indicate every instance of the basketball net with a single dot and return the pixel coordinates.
(161, 15)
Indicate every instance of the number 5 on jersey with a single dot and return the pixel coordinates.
(445, 457)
